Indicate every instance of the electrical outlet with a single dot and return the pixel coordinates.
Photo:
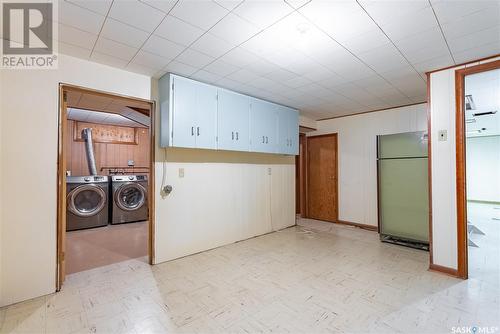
(442, 135)
(181, 172)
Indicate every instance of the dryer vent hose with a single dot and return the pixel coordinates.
(89, 149)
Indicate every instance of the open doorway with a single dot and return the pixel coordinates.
(105, 173)
(478, 171)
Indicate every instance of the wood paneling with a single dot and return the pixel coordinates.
(322, 177)
(106, 154)
(109, 134)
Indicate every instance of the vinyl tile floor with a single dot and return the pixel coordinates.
(100, 246)
(312, 278)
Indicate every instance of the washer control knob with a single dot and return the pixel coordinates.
(130, 178)
(87, 179)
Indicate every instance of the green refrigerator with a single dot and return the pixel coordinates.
(403, 191)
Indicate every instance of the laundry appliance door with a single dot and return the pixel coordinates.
(86, 200)
(130, 196)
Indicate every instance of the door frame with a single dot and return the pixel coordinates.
(336, 189)
(461, 181)
(61, 174)
(301, 169)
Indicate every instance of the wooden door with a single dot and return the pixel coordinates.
(322, 178)
(61, 201)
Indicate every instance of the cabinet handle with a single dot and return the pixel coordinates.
(267, 140)
(197, 130)
(232, 135)
(263, 139)
(236, 135)
(192, 131)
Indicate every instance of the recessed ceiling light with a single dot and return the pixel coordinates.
(303, 27)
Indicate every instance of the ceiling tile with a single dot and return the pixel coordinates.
(194, 58)
(475, 39)
(280, 75)
(73, 50)
(163, 5)
(383, 58)
(141, 69)
(243, 76)
(239, 57)
(221, 68)
(477, 52)
(162, 47)
(76, 37)
(98, 6)
(229, 4)
(108, 60)
(263, 13)
(448, 11)
(385, 12)
(434, 63)
(115, 49)
(180, 68)
(261, 67)
(178, 31)
(423, 46)
(297, 3)
(401, 26)
(366, 41)
(211, 45)
(472, 23)
(203, 14)
(205, 76)
(234, 29)
(78, 17)
(150, 60)
(123, 33)
(296, 82)
(136, 14)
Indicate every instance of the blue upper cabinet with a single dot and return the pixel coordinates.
(198, 115)
(263, 126)
(233, 116)
(189, 112)
(288, 130)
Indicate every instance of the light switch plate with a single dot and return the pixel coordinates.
(442, 135)
(181, 172)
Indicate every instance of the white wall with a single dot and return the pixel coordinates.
(483, 168)
(224, 196)
(357, 154)
(443, 167)
(29, 107)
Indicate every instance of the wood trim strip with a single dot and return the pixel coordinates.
(462, 64)
(370, 111)
(444, 270)
(362, 226)
(460, 143)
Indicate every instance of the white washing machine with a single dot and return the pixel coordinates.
(87, 202)
(130, 198)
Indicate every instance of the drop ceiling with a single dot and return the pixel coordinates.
(327, 58)
(99, 117)
(484, 88)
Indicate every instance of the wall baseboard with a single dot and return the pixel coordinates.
(363, 226)
(444, 270)
(483, 202)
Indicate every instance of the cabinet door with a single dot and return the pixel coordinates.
(293, 131)
(283, 142)
(184, 113)
(263, 119)
(206, 116)
(233, 121)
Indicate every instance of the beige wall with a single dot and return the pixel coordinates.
(29, 108)
(443, 167)
(357, 154)
(224, 196)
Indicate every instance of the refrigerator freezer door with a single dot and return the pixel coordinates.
(403, 198)
(402, 145)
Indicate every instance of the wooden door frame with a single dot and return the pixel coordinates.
(461, 181)
(300, 164)
(61, 173)
(336, 173)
